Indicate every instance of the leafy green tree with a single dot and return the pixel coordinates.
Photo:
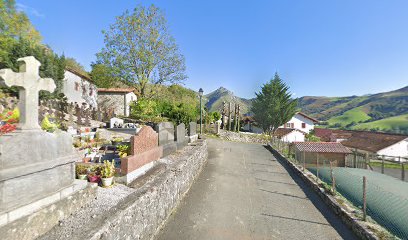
(273, 105)
(140, 50)
(15, 24)
(103, 76)
(216, 116)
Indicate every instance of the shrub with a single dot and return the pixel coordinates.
(108, 169)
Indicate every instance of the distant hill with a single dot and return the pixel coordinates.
(385, 111)
(214, 100)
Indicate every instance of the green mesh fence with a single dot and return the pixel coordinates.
(387, 197)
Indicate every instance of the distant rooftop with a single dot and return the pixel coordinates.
(321, 147)
(116, 90)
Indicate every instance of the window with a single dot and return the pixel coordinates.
(84, 90)
(292, 125)
(90, 91)
(287, 125)
(76, 86)
(303, 125)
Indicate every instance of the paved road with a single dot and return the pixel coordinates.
(245, 193)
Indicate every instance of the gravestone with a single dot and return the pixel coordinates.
(180, 136)
(116, 123)
(35, 165)
(192, 132)
(166, 137)
(87, 115)
(70, 109)
(144, 152)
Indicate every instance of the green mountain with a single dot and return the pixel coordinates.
(215, 99)
(385, 111)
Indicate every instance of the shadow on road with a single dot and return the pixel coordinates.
(294, 219)
(330, 216)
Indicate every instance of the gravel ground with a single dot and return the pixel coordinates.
(107, 198)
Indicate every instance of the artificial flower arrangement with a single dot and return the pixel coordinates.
(8, 121)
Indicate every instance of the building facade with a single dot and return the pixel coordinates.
(301, 122)
(117, 98)
(79, 88)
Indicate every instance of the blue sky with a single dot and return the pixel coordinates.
(319, 47)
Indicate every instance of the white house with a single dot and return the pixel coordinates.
(79, 88)
(290, 135)
(301, 122)
(117, 98)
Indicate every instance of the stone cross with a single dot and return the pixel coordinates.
(29, 83)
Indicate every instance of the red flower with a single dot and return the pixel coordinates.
(6, 128)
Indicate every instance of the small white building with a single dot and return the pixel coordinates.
(301, 122)
(117, 98)
(290, 135)
(79, 88)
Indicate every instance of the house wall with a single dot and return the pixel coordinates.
(297, 121)
(113, 100)
(86, 92)
(251, 128)
(129, 97)
(399, 149)
(294, 136)
(324, 159)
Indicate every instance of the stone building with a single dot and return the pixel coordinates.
(79, 88)
(117, 98)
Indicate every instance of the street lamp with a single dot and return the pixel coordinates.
(200, 93)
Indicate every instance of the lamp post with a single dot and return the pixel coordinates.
(200, 92)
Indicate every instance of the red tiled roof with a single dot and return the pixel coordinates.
(82, 75)
(118, 90)
(304, 115)
(321, 147)
(372, 141)
(280, 132)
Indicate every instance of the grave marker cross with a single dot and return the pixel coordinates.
(29, 83)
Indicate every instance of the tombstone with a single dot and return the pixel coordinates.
(94, 113)
(144, 151)
(192, 132)
(78, 114)
(217, 128)
(34, 164)
(166, 137)
(70, 110)
(87, 115)
(180, 136)
(116, 123)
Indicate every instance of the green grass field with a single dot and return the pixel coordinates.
(390, 123)
(353, 115)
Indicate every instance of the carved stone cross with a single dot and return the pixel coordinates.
(29, 83)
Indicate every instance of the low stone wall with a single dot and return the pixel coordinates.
(243, 137)
(356, 225)
(38, 223)
(141, 214)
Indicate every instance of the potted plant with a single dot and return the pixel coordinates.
(123, 150)
(94, 175)
(81, 171)
(107, 172)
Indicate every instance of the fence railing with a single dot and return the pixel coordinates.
(378, 197)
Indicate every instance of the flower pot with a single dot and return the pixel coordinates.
(106, 182)
(94, 179)
(82, 176)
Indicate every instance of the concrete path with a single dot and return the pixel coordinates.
(245, 193)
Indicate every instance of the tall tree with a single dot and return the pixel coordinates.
(273, 105)
(140, 50)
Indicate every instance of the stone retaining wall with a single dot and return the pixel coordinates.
(356, 225)
(141, 214)
(243, 137)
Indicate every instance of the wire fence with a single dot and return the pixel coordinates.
(379, 197)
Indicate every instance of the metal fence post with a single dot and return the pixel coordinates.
(317, 167)
(304, 161)
(382, 165)
(332, 178)
(402, 171)
(365, 160)
(355, 158)
(364, 198)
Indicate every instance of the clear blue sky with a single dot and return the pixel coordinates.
(324, 48)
